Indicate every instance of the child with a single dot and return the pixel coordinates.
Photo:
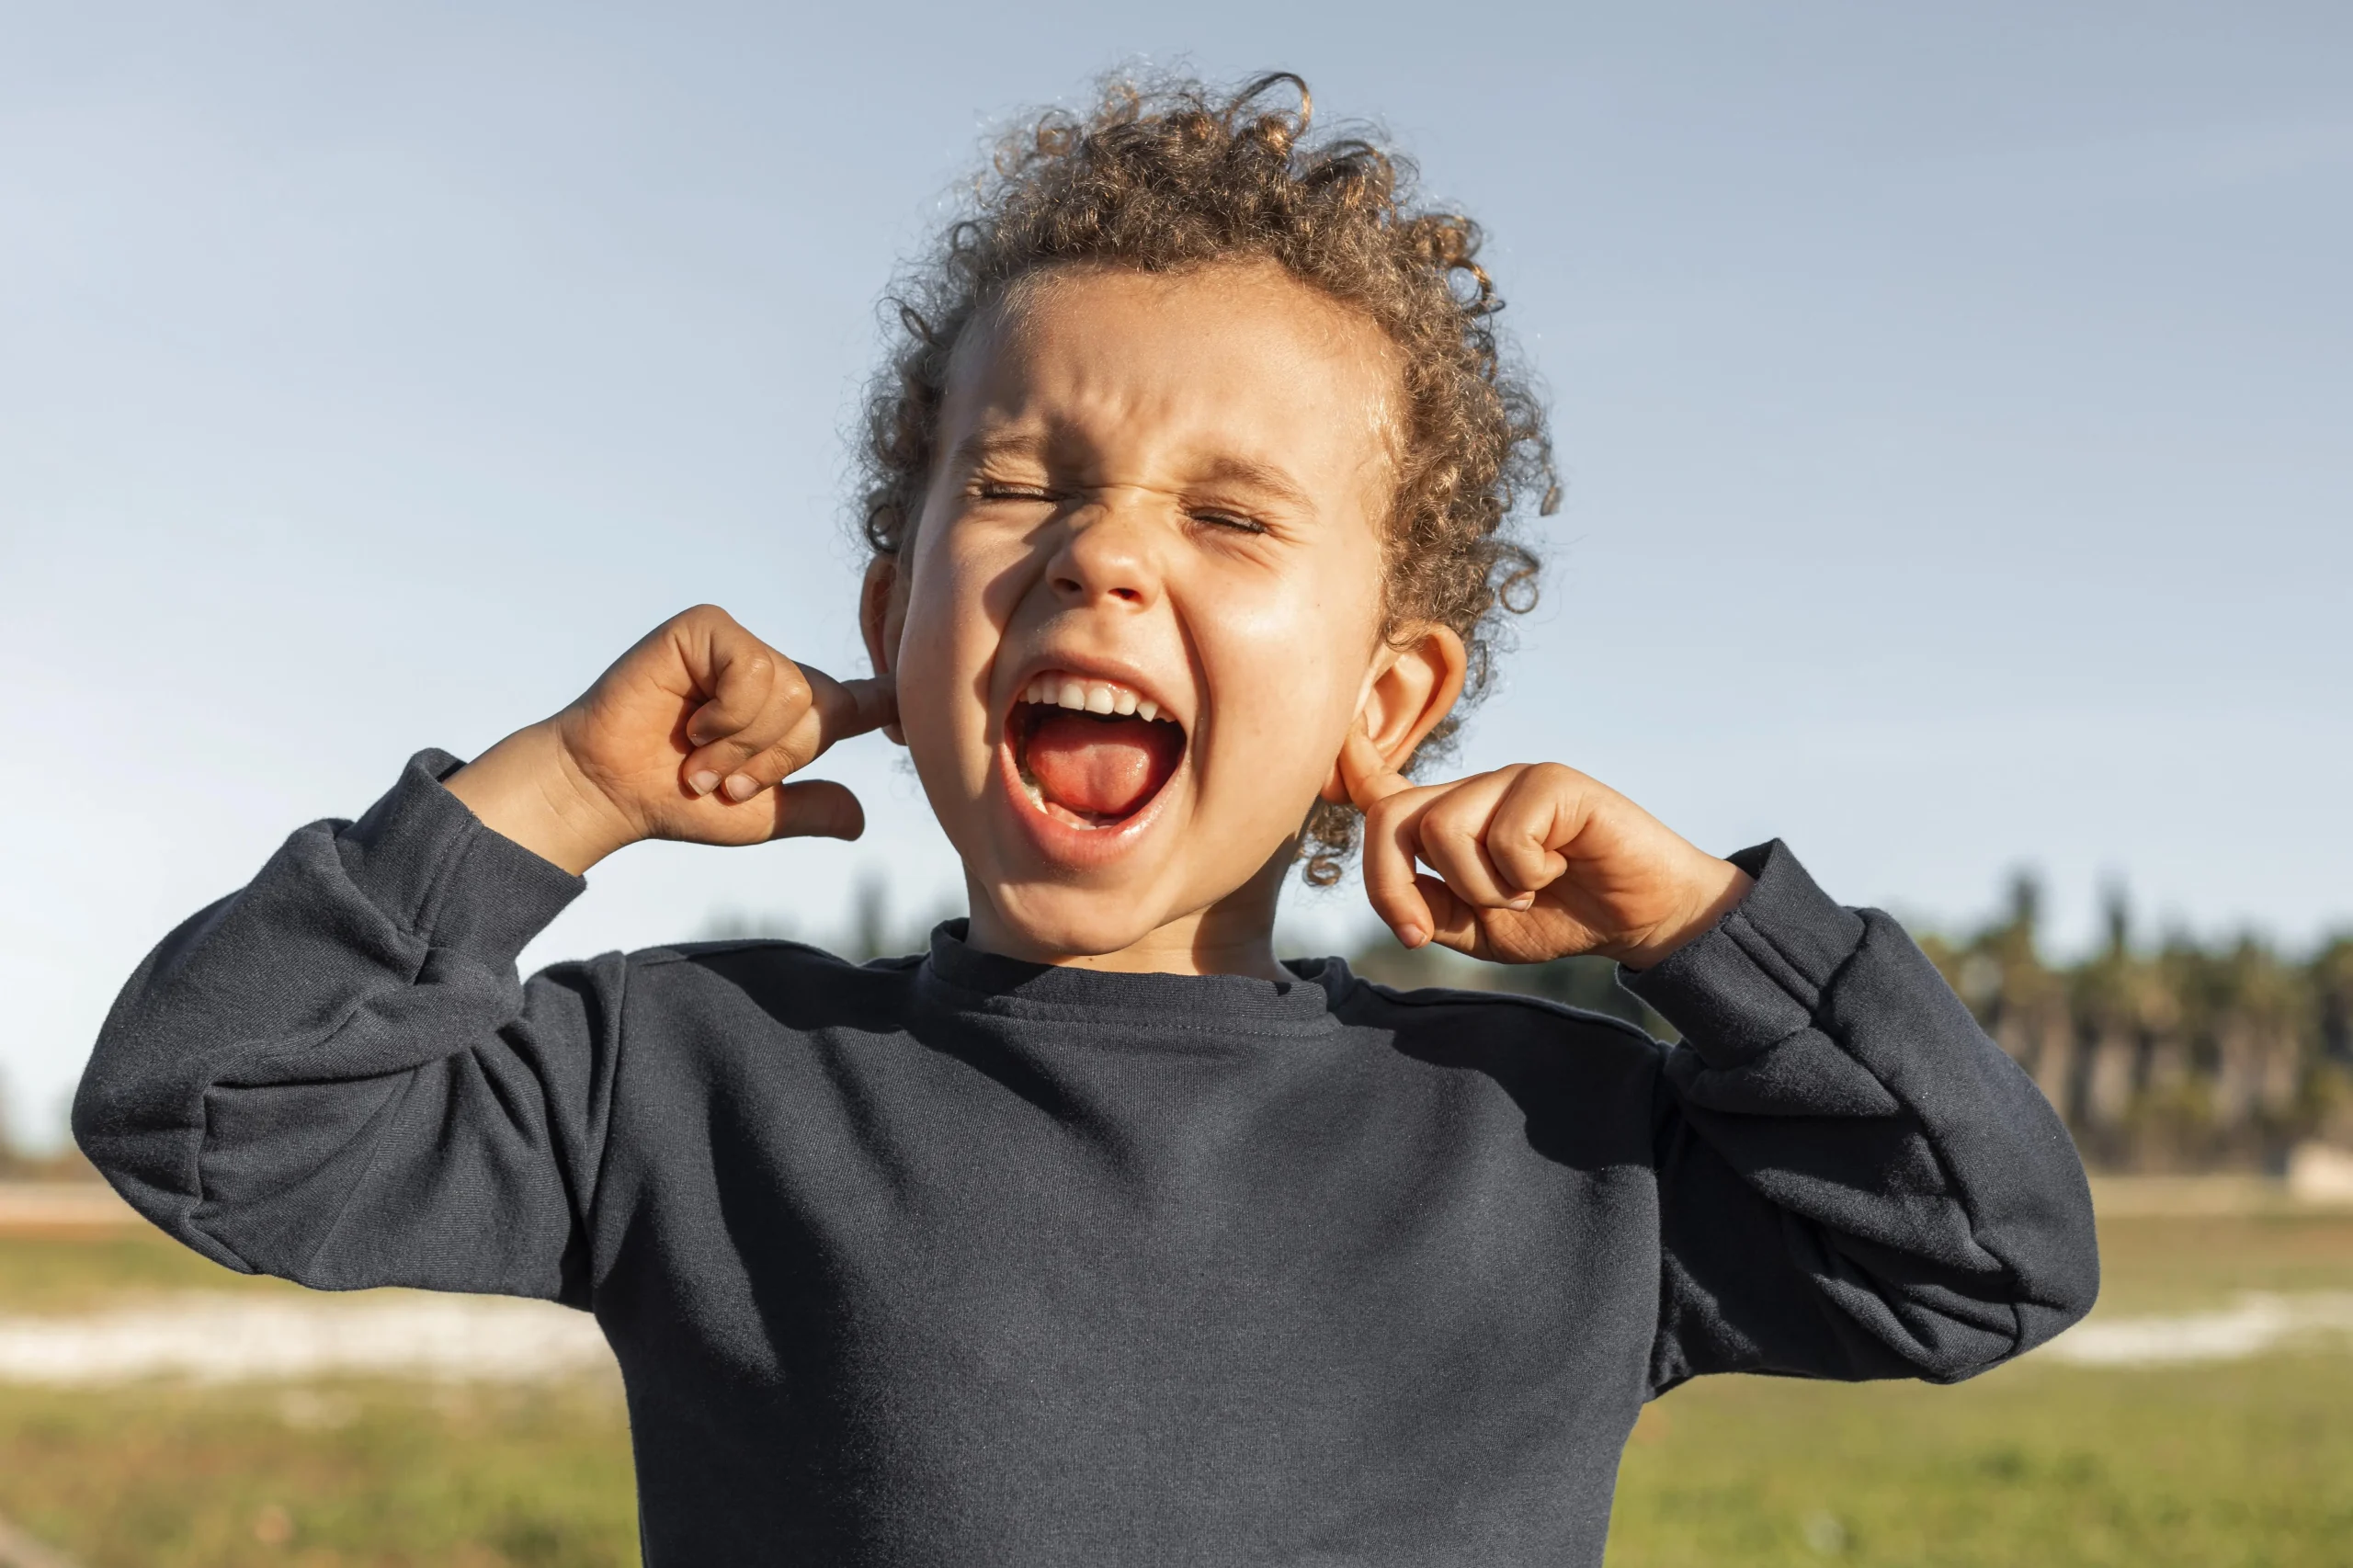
(1096, 1236)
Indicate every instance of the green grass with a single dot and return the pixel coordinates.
(2150, 1265)
(68, 1271)
(349, 1475)
(357, 1475)
(2049, 1466)
(2231, 1466)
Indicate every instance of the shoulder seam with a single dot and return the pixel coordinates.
(687, 953)
(1441, 996)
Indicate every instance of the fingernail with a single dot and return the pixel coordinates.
(1412, 935)
(741, 786)
(702, 783)
(1525, 900)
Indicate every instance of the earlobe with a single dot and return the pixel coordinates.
(881, 618)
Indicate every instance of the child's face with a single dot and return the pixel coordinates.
(1152, 491)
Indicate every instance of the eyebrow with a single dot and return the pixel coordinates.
(1261, 476)
(981, 445)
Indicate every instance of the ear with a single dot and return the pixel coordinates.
(881, 616)
(1413, 685)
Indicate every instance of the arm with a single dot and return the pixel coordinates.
(1855, 1182)
(335, 1074)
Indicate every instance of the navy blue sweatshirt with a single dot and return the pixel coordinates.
(958, 1260)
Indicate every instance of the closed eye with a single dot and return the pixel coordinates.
(1233, 520)
(996, 490)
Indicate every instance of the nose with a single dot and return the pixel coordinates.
(1107, 554)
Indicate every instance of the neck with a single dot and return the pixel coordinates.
(1234, 935)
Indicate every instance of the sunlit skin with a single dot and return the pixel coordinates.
(1177, 483)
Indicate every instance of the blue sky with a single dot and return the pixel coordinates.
(1954, 403)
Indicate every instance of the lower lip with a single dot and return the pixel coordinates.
(1067, 844)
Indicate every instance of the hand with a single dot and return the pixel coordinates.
(1534, 862)
(688, 737)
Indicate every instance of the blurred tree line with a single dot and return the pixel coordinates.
(2177, 1056)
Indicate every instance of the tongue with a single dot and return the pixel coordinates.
(1106, 768)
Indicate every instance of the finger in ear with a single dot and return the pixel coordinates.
(1365, 772)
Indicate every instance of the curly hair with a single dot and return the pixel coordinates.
(1169, 175)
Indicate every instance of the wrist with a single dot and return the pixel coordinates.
(529, 788)
(1716, 890)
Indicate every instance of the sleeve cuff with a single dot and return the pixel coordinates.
(1757, 976)
(425, 860)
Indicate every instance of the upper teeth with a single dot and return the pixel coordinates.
(1060, 690)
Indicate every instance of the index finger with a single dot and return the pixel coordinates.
(1367, 773)
(846, 708)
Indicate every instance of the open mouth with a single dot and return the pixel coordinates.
(1088, 752)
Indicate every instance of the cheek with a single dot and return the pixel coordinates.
(1285, 669)
(954, 623)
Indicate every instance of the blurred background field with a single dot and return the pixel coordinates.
(186, 1468)
(2212, 1426)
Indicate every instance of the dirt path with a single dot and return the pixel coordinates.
(219, 1337)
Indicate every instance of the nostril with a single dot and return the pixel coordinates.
(1130, 595)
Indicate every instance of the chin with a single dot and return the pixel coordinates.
(1058, 923)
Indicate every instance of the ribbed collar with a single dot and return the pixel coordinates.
(966, 978)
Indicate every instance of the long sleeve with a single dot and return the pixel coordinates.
(1855, 1182)
(336, 1075)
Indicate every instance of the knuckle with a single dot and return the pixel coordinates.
(1434, 843)
(1450, 821)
